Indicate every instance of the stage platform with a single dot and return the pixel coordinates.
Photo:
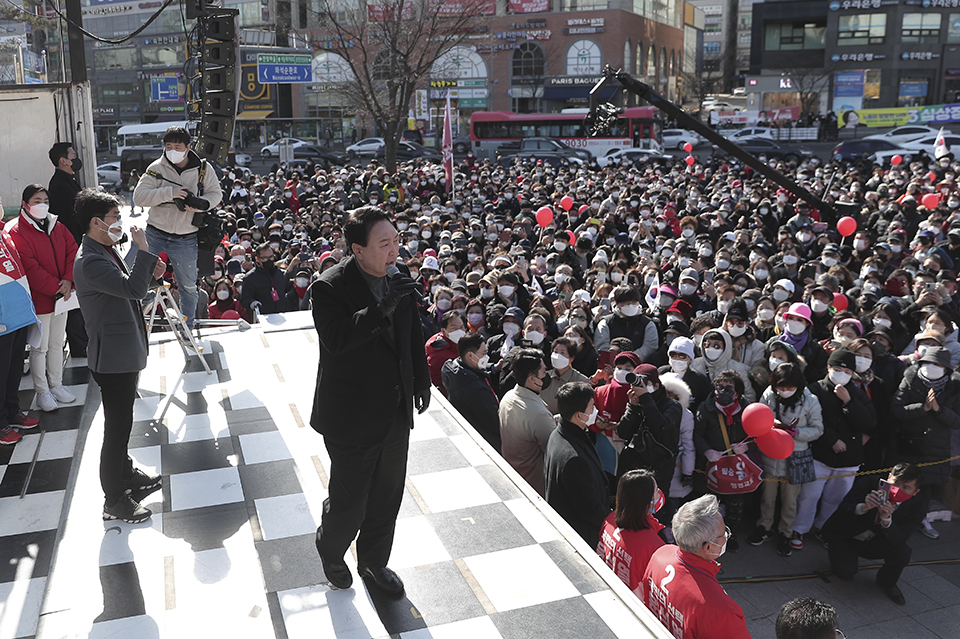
(230, 549)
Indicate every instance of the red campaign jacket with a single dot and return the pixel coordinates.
(628, 552)
(439, 349)
(682, 591)
(47, 259)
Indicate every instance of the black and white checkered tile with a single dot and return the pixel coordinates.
(230, 548)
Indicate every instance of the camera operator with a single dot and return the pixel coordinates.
(175, 187)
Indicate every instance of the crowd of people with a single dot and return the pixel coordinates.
(608, 346)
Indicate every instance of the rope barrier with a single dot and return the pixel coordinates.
(822, 575)
(856, 474)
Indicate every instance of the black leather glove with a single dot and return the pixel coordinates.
(686, 480)
(399, 287)
(421, 400)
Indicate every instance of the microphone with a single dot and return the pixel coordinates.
(394, 274)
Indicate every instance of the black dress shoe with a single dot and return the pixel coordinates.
(383, 578)
(894, 594)
(337, 573)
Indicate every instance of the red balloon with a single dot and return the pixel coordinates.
(544, 215)
(690, 160)
(573, 238)
(566, 202)
(777, 444)
(757, 419)
(930, 200)
(847, 226)
(931, 176)
(895, 160)
(583, 207)
(840, 301)
(688, 147)
(230, 315)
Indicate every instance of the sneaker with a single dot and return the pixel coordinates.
(784, 545)
(24, 421)
(142, 483)
(126, 510)
(62, 395)
(45, 401)
(796, 541)
(732, 544)
(820, 538)
(928, 530)
(9, 436)
(759, 536)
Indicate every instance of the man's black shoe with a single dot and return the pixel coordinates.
(383, 578)
(338, 575)
(142, 484)
(127, 510)
(894, 594)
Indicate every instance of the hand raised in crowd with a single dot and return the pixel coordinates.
(842, 393)
(398, 288)
(930, 404)
(873, 499)
(64, 289)
(139, 237)
(159, 269)
(713, 455)
(740, 448)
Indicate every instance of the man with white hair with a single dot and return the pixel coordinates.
(680, 583)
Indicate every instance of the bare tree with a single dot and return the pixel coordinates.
(809, 82)
(390, 48)
(697, 86)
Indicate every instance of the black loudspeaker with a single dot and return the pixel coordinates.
(216, 126)
(221, 28)
(213, 149)
(220, 79)
(195, 8)
(220, 103)
(220, 54)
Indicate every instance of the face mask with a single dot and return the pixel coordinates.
(592, 417)
(176, 157)
(486, 293)
(795, 327)
(723, 264)
(559, 361)
(115, 231)
(483, 361)
(302, 282)
(838, 378)
(510, 329)
(534, 337)
(843, 339)
(620, 375)
(217, 275)
(931, 371)
(455, 336)
(684, 262)
(863, 364)
(667, 253)
(882, 321)
(39, 211)
(426, 235)
(475, 319)
(773, 362)
(818, 306)
(765, 314)
(726, 396)
(223, 294)
(688, 289)
(560, 278)
(687, 232)
(506, 290)
(828, 261)
(679, 366)
(413, 245)
(545, 382)
(629, 310)
(896, 248)
(898, 495)
(275, 246)
(450, 277)
(443, 304)
(737, 331)
(790, 260)
(245, 243)
(712, 354)
(288, 227)
(786, 394)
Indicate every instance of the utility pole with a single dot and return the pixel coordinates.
(78, 56)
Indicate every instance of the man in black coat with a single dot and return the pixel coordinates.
(372, 373)
(856, 530)
(263, 288)
(63, 190)
(469, 389)
(576, 486)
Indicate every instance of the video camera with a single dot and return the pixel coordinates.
(637, 380)
(193, 202)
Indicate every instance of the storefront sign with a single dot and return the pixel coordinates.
(585, 22)
(571, 81)
(846, 5)
(581, 30)
(105, 112)
(532, 34)
(919, 55)
(932, 115)
(447, 8)
(529, 6)
(450, 84)
(857, 57)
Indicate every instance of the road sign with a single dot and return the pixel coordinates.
(284, 68)
(164, 88)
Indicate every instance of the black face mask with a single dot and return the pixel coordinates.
(267, 265)
(726, 396)
(545, 380)
(76, 164)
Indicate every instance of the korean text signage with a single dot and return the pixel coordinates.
(529, 6)
(932, 115)
(284, 68)
(580, 26)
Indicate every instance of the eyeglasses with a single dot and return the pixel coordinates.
(720, 389)
(840, 634)
(726, 533)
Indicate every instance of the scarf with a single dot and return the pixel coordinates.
(729, 411)
(936, 384)
(797, 341)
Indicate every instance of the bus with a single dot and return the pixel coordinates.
(637, 127)
(144, 135)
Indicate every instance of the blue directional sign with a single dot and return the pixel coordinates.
(164, 88)
(284, 68)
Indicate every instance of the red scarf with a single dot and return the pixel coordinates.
(611, 400)
(729, 411)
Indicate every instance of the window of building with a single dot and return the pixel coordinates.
(746, 20)
(583, 5)
(953, 27)
(744, 38)
(584, 58)
(627, 52)
(923, 28)
(711, 48)
(712, 27)
(165, 56)
(528, 61)
(652, 62)
(638, 69)
(869, 28)
(794, 36)
(913, 91)
(110, 93)
(105, 59)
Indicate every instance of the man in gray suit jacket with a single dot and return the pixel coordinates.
(109, 294)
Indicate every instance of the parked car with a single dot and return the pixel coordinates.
(906, 133)
(550, 145)
(239, 159)
(925, 144)
(552, 158)
(461, 144)
(635, 156)
(137, 158)
(366, 147)
(879, 151)
(739, 91)
(677, 138)
(320, 155)
(412, 151)
(720, 106)
(274, 149)
(109, 173)
(767, 149)
(751, 132)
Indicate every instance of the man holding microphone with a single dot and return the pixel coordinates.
(109, 294)
(372, 374)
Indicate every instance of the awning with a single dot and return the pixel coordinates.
(255, 115)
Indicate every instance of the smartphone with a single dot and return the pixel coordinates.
(605, 358)
(708, 276)
(819, 227)
(453, 227)
(506, 235)
(885, 487)
(564, 296)
(930, 287)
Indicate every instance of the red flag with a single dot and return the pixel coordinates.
(448, 145)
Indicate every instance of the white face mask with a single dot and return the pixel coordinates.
(620, 375)
(818, 306)
(761, 274)
(450, 276)
(838, 377)
(786, 394)
(176, 157)
(223, 294)
(39, 211)
(736, 330)
(506, 290)
(723, 264)
(454, 336)
(828, 261)
(723, 306)
(790, 260)
(559, 361)
(723, 549)
(780, 294)
(534, 337)
(860, 245)
(773, 362)
(765, 314)
(483, 361)
(712, 354)
(843, 339)
(510, 329)
(560, 278)
(882, 321)
(863, 364)
(616, 277)
(302, 282)
(592, 417)
(629, 310)
(475, 319)
(931, 371)
(796, 327)
(688, 289)
(486, 293)
(115, 231)
(679, 366)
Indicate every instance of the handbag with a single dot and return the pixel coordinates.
(644, 451)
(800, 468)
